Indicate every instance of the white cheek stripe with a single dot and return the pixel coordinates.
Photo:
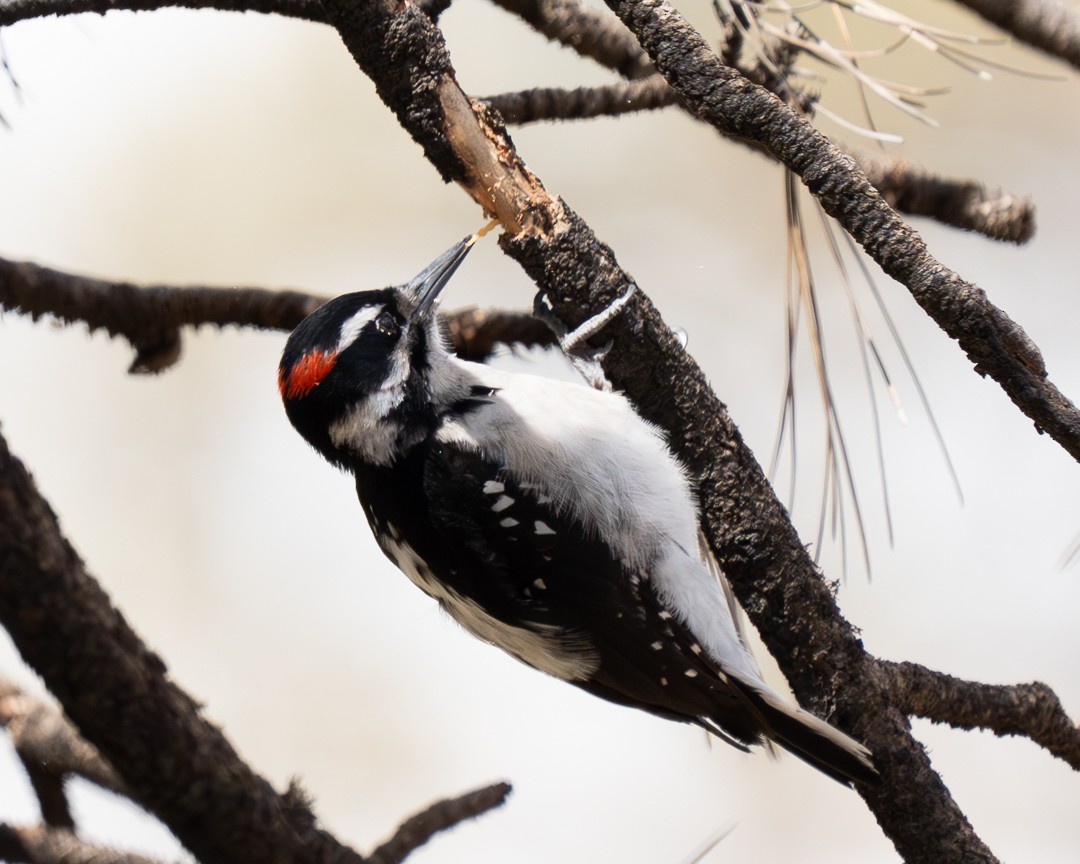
(353, 326)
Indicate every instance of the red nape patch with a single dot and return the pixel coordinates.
(306, 374)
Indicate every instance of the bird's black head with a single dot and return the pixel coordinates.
(354, 374)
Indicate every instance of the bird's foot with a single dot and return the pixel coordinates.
(574, 343)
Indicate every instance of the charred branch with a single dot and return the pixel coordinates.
(582, 103)
(1028, 710)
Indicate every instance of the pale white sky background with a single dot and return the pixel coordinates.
(185, 147)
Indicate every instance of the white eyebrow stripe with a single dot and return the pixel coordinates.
(352, 326)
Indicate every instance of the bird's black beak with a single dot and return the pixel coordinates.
(427, 285)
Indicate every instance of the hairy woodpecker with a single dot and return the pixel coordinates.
(546, 517)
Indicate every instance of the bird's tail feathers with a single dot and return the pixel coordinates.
(812, 739)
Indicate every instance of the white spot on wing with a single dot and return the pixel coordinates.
(503, 502)
(508, 522)
(543, 527)
(691, 673)
(494, 487)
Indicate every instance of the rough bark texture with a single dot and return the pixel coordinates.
(117, 692)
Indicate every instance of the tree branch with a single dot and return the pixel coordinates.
(587, 31)
(417, 830)
(1049, 25)
(177, 765)
(50, 749)
(1030, 710)
(150, 318)
(911, 188)
(581, 103)
(995, 344)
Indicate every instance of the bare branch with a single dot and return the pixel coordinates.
(50, 749)
(586, 30)
(36, 845)
(475, 334)
(966, 204)
(149, 318)
(1050, 25)
(996, 345)
(557, 103)
(1029, 710)
(176, 764)
(41, 733)
(417, 830)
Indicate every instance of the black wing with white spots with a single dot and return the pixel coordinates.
(489, 543)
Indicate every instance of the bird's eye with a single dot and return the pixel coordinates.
(386, 324)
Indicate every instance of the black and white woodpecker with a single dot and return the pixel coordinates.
(546, 517)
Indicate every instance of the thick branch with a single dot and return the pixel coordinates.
(1050, 25)
(177, 765)
(1031, 710)
(996, 345)
(417, 830)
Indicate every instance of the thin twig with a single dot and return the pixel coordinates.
(966, 204)
(415, 831)
(589, 32)
(50, 750)
(1028, 710)
(582, 103)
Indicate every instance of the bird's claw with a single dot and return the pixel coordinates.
(574, 343)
